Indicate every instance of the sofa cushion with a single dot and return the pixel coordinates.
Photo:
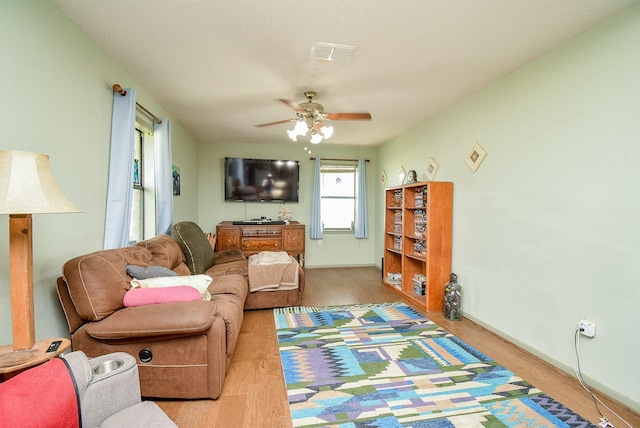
(230, 284)
(239, 267)
(98, 281)
(197, 250)
(140, 272)
(165, 252)
(229, 256)
(143, 414)
(152, 296)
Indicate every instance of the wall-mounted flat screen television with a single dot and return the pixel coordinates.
(261, 180)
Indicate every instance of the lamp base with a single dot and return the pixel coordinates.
(16, 358)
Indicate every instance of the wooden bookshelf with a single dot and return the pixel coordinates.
(417, 241)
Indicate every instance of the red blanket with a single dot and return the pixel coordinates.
(42, 397)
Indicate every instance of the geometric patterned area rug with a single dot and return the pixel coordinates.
(386, 365)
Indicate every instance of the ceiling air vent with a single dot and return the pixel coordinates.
(332, 51)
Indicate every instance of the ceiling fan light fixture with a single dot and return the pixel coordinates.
(311, 117)
(327, 131)
(292, 134)
(316, 137)
(301, 128)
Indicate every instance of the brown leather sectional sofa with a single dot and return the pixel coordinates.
(183, 349)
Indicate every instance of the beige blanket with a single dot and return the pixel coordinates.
(272, 271)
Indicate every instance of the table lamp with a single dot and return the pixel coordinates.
(27, 186)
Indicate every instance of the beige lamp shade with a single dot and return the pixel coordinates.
(27, 185)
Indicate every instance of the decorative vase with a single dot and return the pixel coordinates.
(453, 299)
(285, 214)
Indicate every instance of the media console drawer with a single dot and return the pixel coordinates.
(293, 239)
(258, 244)
(227, 239)
(253, 238)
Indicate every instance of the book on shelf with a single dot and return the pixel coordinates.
(419, 284)
(420, 247)
(420, 277)
(395, 279)
(420, 196)
(419, 223)
(397, 197)
(397, 221)
(394, 276)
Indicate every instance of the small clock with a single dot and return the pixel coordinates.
(412, 177)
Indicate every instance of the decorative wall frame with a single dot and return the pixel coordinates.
(475, 156)
(431, 169)
(402, 174)
(383, 177)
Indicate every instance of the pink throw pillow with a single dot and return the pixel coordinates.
(151, 296)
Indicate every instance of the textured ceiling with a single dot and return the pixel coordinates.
(220, 66)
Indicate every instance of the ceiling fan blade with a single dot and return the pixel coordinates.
(290, 104)
(276, 123)
(348, 116)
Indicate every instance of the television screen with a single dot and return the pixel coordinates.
(261, 180)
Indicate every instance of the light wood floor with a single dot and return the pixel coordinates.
(254, 393)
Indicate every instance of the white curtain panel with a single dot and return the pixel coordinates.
(120, 190)
(362, 229)
(317, 231)
(164, 177)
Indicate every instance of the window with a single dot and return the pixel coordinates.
(338, 196)
(136, 228)
(142, 224)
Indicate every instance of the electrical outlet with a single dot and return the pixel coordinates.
(587, 328)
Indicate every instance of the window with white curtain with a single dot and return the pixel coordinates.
(338, 196)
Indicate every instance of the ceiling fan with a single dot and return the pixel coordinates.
(311, 117)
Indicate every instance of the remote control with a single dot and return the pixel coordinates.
(54, 346)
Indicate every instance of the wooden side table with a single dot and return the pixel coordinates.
(13, 362)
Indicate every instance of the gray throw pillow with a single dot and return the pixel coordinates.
(139, 272)
(196, 247)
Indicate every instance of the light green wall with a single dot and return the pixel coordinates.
(337, 249)
(57, 100)
(546, 232)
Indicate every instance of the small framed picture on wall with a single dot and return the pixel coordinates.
(383, 177)
(475, 156)
(431, 169)
(402, 174)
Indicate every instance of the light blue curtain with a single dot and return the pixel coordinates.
(362, 229)
(120, 190)
(317, 230)
(164, 176)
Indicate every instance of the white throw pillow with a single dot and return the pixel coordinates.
(199, 282)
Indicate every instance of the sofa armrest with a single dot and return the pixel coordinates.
(104, 391)
(74, 320)
(161, 320)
